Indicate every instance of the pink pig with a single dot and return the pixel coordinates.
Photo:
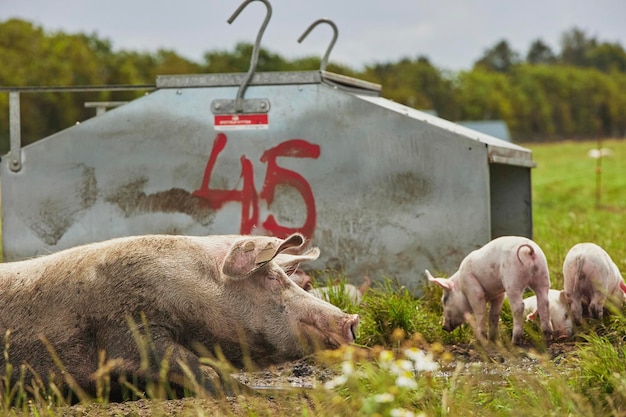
(506, 266)
(590, 279)
(560, 316)
(186, 296)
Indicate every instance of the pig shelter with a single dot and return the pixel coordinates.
(381, 188)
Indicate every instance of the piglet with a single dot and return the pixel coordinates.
(355, 294)
(560, 317)
(590, 279)
(506, 266)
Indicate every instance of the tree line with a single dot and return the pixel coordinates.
(578, 92)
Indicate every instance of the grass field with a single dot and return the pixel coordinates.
(406, 365)
(570, 205)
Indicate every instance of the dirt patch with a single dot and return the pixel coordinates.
(283, 389)
(298, 375)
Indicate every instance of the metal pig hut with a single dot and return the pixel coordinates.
(381, 188)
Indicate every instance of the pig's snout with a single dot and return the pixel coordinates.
(331, 332)
(561, 335)
(351, 328)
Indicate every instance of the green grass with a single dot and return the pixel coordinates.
(403, 362)
(568, 205)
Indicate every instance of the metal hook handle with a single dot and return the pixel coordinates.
(255, 50)
(332, 42)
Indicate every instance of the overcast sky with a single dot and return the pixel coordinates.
(451, 33)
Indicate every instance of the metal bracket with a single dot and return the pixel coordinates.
(15, 132)
(252, 105)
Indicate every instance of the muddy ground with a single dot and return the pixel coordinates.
(278, 385)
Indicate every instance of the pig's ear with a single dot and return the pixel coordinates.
(289, 263)
(248, 255)
(564, 298)
(444, 283)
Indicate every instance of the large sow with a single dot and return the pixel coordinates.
(186, 296)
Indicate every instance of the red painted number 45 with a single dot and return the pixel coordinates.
(275, 175)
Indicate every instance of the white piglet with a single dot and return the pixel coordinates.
(590, 279)
(506, 266)
(560, 317)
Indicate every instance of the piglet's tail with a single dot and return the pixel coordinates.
(531, 251)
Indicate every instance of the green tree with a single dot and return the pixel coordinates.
(500, 58)
(540, 54)
(415, 83)
(608, 57)
(485, 95)
(576, 47)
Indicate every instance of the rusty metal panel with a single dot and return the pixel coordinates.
(382, 189)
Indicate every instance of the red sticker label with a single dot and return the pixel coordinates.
(241, 121)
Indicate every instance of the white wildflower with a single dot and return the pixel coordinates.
(335, 382)
(401, 366)
(384, 398)
(406, 380)
(402, 412)
(347, 368)
(421, 360)
(385, 356)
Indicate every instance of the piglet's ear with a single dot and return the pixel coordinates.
(250, 254)
(444, 283)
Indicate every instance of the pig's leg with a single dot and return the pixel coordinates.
(184, 362)
(578, 307)
(517, 310)
(597, 304)
(494, 316)
(155, 345)
(543, 308)
(478, 303)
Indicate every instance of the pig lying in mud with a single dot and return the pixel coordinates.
(560, 317)
(590, 279)
(506, 266)
(186, 295)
